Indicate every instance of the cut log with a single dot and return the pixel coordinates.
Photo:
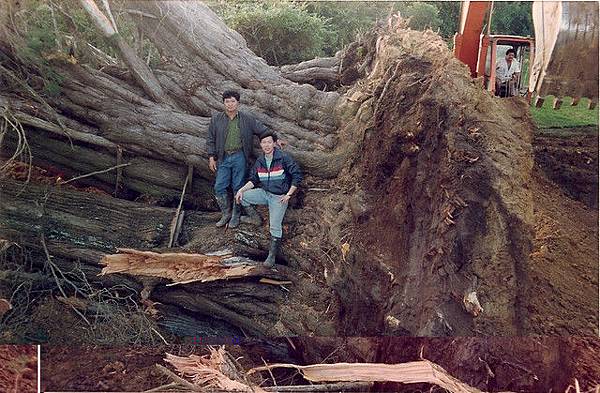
(143, 176)
(78, 219)
(212, 372)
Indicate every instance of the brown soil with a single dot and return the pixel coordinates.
(519, 364)
(97, 368)
(564, 262)
(18, 368)
(570, 159)
(101, 368)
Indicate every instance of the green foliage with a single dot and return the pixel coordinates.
(281, 32)
(567, 116)
(40, 37)
(449, 15)
(64, 26)
(513, 18)
(347, 19)
(284, 32)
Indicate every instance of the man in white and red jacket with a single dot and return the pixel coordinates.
(276, 176)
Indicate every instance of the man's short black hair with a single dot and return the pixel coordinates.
(511, 50)
(268, 134)
(231, 94)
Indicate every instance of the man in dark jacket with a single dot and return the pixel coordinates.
(278, 176)
(229, 145)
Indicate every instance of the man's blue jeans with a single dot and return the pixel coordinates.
(231, 171)
(258, 196)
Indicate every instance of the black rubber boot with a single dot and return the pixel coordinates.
(225, 206)
(252, 217)
(273, 250)
(235, 215)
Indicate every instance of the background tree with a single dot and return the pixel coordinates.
(449, 14)
(512, 17)
(422, 16)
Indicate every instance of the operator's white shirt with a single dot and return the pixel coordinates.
(504, 72)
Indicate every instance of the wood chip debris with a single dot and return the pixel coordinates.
(180, 268)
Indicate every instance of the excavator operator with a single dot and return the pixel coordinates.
(508, 72)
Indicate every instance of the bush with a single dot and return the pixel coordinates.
(279, 32)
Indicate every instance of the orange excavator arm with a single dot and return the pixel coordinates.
(466, 41)
(566, 47)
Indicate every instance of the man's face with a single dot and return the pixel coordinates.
(510, 56)
(267, 145)
(231, 104)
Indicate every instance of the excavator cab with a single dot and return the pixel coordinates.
(492, 49)
(562, 61)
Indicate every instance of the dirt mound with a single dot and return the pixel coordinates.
(18, 368)
(443, 211)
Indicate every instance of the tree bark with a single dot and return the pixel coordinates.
(323, 73)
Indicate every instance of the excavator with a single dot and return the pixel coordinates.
(562, 59)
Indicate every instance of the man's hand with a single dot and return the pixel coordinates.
(238, 196)
(281, 144)
(212, 164)
(284, 199)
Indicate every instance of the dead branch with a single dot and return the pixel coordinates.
(95, 173)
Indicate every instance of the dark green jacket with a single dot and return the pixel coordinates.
(217, 133)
